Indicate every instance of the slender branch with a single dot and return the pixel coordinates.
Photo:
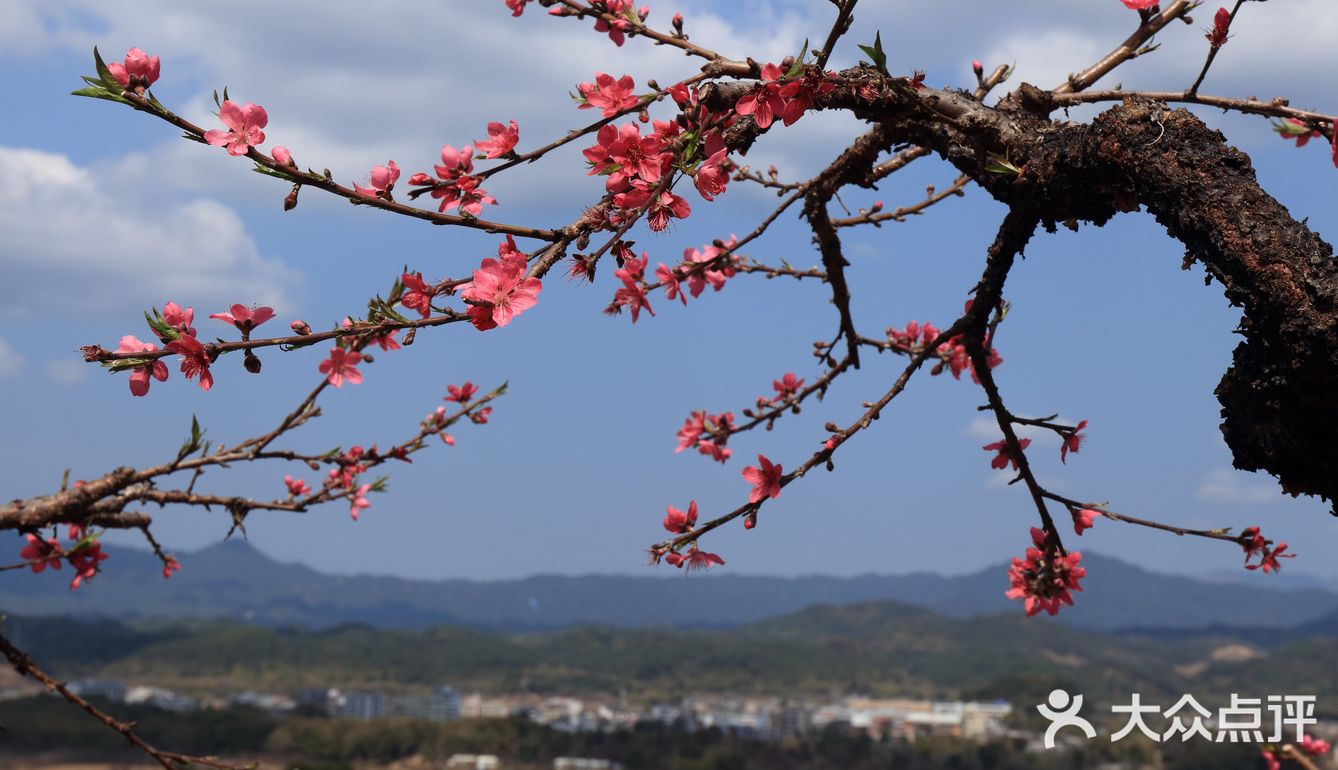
(1212, 53)
(1277, 108)
(24, 664)
(839, 27)
(1127, 50)
(875, 216)
(322, 182)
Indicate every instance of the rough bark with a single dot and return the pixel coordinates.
(1280, 396)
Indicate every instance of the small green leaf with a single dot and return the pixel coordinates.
(876, 54)
(98, 92)
(108, 79)
(267, 171)
(1000, 165)
(797, 68)
(162, 328)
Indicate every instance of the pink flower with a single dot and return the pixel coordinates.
(1139, 5)
(455, 162)
(1072, 442)
(691, 431)
(1315, 747)
(799, 95)
(618, 26)
(1082, 520)
(194, 360)
(632, 297)
(698, 279)
(669, 279)
(244, 124)
(40, 553)
(694, 559)
(1252, 542)
(678, 521)
(456, 186)
(1217, 36)
(625, 155)
(85, 562)
(712, 175)
(1005, 456)
(633, 269)
(764, 101)
(138, 72)
(358, 500)
(382, 181)
(1268, 560)
(502, 139)
(417, 293)
(659, 209)
(1044, 579)
(244, 318)
(1299, 131)
(611, 96)
(461, 394)
(501, 291)
(386, 341)
(766, 480)
(1271, 760)
(481, 416)
(466, 194)
(699, 560)
(786, 386)
(170, 566)
(296, 487)
(282, 156)
(179, 319)
(517, 6)
(341, 367)
(139, 378)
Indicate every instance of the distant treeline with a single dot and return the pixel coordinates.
(49, 726)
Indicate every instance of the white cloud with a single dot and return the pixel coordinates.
(987, 429)
(1224, 485)
(77, 238)
(67, 371)
(11, 363)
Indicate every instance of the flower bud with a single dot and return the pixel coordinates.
(251, 362)
(300, 327)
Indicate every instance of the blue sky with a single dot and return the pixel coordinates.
(107, 213)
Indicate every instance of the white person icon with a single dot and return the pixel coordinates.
(1062, 711)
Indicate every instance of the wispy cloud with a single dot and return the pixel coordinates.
(79, 239)
(11, 363)
(1224, 485)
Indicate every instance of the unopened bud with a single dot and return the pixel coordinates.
(290, 201)
(251, 362)
(300, 327)
(282, 156)
(978, 68)
(643, 116)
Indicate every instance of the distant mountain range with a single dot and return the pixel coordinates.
(235, 581)
(880, 648)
